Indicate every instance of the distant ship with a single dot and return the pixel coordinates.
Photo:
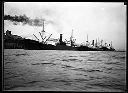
(96, 46)
(29, 44)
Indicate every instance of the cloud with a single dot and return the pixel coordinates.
(103, 20)
(33, 14)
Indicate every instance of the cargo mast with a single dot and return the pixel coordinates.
(43, 27)
(41, 34)
(43, 30)
(87, 37)
(71, 38)
(111, 44)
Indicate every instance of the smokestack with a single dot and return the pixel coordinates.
(93, 42)
(60, 38)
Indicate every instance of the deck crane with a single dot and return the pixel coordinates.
(36, 37)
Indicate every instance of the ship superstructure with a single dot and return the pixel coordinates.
(94, 45)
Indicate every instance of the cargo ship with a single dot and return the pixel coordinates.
(28, 44)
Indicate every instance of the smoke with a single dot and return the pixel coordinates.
(16, 20)
(36, 13)
(24, 20)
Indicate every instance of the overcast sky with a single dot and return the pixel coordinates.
(102, 20)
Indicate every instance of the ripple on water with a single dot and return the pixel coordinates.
(64, 70)
(43, 64)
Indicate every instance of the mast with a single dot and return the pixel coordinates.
(71, 38)
(42, 31)
(87, 37)
(101, 42)
(93, 42)
(43, 27)
(96, 42)
(87, 43)
(111, 44)
(71, 35)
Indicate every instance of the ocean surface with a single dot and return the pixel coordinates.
(56, 70)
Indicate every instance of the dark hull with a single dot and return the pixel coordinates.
(40, 46)
(64, 47)
(28, 44)
(106, 49)
(34, 45)
(85, 48)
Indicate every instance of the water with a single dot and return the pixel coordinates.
(56, 70)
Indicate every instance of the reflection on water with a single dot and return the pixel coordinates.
(52, 70)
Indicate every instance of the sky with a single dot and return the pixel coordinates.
(99, 20)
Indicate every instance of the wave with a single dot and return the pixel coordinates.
(43, 64)
(64, 70)
(88, 70)
(94, 60)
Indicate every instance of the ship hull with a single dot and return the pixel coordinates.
(64, 47)
(28, 44)
(86, 48)
(35, 45)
